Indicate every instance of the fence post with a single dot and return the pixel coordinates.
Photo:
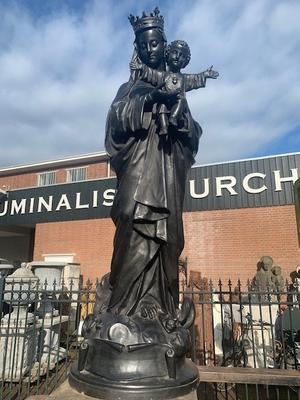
(2, 283)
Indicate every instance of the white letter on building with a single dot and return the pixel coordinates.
(205, 193)
(78, 203)
(63, 202)
(31, 205)
(42, 203)
(250, 189)
(5, 208)
(229, 185)
(278, 178)
(95, 198)
(109, 194)
(16, 208)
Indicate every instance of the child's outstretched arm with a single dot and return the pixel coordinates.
(196, 81)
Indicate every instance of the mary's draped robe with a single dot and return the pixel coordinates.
(147, 211)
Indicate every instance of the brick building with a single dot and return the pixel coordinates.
(235, 212)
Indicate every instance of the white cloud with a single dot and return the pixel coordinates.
(56, 83)
(257, 95)
(58, 75)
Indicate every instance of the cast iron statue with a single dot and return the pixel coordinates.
(136, 340)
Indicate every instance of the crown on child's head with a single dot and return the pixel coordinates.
(154, 20)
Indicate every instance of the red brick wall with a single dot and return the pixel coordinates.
(98, 170)
(225, 243)
(90, 240)
(18, 181)
(61, 176)
(229, 243)
(26, 180)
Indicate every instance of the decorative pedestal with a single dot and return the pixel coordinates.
(262, 334)
(18, 345)
(145, 389)
(19, 329)
(131, 358)
(50, 353)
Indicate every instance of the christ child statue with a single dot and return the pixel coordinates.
(173, 80)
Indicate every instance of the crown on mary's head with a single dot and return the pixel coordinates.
(154, 20)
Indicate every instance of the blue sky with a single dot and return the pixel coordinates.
(62, 61)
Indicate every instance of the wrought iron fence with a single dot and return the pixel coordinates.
(39, 334)
(242, 327)
(235, 326)
(246, 327)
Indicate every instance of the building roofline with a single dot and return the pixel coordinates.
(246, 159)
(101, 156)
(66, 161)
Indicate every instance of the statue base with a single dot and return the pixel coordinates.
(66, 392)
(138, 357)
(145, 389)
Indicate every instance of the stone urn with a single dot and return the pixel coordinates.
(20, 292)
(50, 281)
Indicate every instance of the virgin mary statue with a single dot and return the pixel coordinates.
(151, 174)
(135, 342)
